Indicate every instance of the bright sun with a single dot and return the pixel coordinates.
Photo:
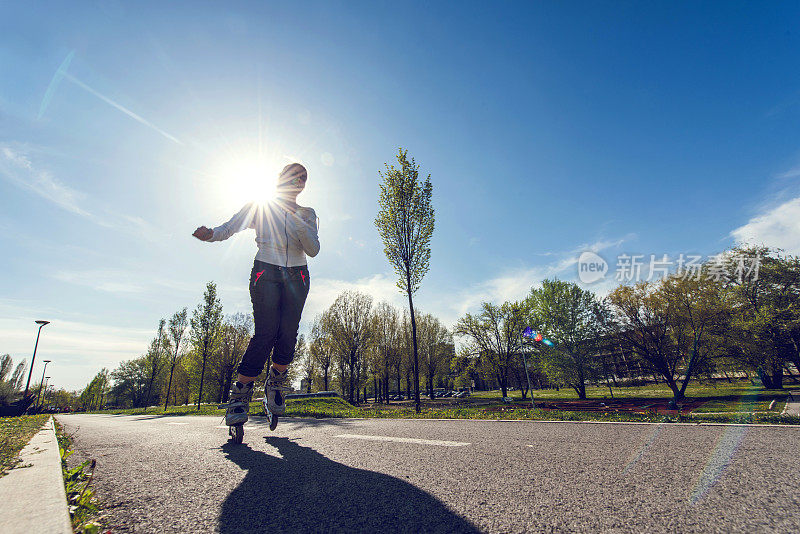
(248, 179)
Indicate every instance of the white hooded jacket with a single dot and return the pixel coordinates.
(283, 238)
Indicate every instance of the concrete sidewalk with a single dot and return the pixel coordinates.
(32, 494)
(793, 404)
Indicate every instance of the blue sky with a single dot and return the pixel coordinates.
(548, 128)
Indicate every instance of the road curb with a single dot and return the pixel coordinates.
(32, 494)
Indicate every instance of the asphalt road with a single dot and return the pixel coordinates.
(179, 474)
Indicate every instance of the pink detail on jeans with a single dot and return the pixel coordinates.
(258, 275)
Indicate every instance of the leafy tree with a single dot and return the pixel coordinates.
(346, 323)
(405, 222)
(205, 330)
(495, 336)
(320, 350)
(466, 366)
(699, 317)
(130, 382)
(308, 364)
(93, 395)
(6, 363)
(155, 358)
(387, 335)
(9, 388)
(19, 375)
(436, 348)
(235, 334)
(177, 327)
(572, 318)
(767, 304)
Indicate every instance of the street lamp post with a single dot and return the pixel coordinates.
(41, 382)
(530, 391)
(46, 380)
(33, 360)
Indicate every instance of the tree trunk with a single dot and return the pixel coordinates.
(202, 376)
(417, 407)
(325, 378)
(674, 387)
(169, 384)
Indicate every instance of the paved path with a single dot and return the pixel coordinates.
(793, 405)
(159, 474)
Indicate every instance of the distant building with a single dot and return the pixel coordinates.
(304, 385)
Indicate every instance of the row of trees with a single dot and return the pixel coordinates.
(12, 385)
(674, 329)
(190, 359)
(360, 348)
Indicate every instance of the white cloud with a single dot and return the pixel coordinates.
(791, 173)
(325, 290)
(103, 280)
(17, 167)
(776, 227)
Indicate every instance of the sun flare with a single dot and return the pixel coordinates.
(248, 179)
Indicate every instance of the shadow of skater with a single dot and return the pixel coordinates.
(306, 492)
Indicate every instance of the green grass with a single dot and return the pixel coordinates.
(695, 389)
(729, 398)
(749, 404)
(83, 507)
(205, 409)
(15, 433)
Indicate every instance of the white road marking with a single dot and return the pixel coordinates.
(406, 440)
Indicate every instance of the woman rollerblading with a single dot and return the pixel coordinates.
(286, 234)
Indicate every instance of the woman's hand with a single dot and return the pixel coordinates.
(203, 233)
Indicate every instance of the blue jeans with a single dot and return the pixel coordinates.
(278, 295)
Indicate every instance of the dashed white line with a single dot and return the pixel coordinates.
(436, 442)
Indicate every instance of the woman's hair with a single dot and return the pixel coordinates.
(293, 170)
